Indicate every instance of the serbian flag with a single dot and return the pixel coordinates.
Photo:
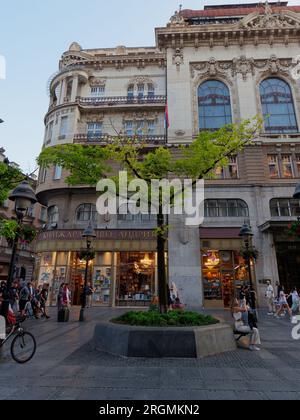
(167, 121)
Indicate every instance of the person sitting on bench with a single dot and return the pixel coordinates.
(245, 325)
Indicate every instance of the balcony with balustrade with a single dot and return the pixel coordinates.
(136, 102)
(104, 139)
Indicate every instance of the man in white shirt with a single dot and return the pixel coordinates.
(270, 296)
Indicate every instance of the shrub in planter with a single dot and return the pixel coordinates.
(170, 319)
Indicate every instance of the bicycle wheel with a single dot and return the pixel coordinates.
(23, 347)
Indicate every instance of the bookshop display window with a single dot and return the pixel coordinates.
(102, 278)
(224, 273)
(135, 278)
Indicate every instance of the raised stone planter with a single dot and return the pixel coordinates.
(193, 342)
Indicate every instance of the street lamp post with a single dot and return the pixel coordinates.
(88, 235)
(247, 234)
(23, 196)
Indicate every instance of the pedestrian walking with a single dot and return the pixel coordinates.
(283, 305)
(295, 301)
(43, 301)
(270, 297)
(89, 292)
(24, 298)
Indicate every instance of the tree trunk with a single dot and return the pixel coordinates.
(161, 262)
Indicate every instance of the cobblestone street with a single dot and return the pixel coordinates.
(67, 366)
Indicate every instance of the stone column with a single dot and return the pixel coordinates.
(75, 88)
(185, 262)
(63, 91)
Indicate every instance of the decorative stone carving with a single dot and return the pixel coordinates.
(179, 133)
(75, 47)
(270, 20)
(97, 81)
(134, 116)
(210, 68)
(137, 80)
(72, 60)
(243, 66)
(177, 20)
(178, 58)
(121, 50)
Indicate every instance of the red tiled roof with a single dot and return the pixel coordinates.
(239, 11)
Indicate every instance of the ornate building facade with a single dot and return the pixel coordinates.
(211, 67)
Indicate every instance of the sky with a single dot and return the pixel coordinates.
(35, 33)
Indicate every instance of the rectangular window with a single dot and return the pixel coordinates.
(98, 91)
(69, 91)
(43, 214)
(50, 131)
(63, 127)
(275, 209)
(284, 208)
(273, 166)
(151, 128)
(212, 209)
(31, 211)
(233, 168)
(130, 92)
(219, 173)
(150, 90)
(298, 165)
(57, 172)
(141, 91)
(44, 175)
(129, 128)
(140, 128)
(287, 166)
(94, 131)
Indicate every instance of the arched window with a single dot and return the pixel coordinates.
(86, 213)
(278, 106)
(226, 208)
(53, 214)
(214, 105)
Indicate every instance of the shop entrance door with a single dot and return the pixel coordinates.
(288, 258)
(228, 287)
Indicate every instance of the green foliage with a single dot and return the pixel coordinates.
(11, 230)
(170, 319)
(249, 253)
(294, 229)
(87, 255)
(10, 177)
(211, 150)
(86, 165)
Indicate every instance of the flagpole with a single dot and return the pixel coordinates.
(167, 107)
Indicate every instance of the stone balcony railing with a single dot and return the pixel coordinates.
(155, 140)
(122, 101)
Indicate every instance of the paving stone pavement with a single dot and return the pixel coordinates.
(68, 367)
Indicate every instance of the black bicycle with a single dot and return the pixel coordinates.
(23, 345)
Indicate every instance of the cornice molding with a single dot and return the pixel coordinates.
(119, 62)
(254, 29)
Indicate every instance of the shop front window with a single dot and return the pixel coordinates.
(224, 273)
(135, 278)
(102, 278)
